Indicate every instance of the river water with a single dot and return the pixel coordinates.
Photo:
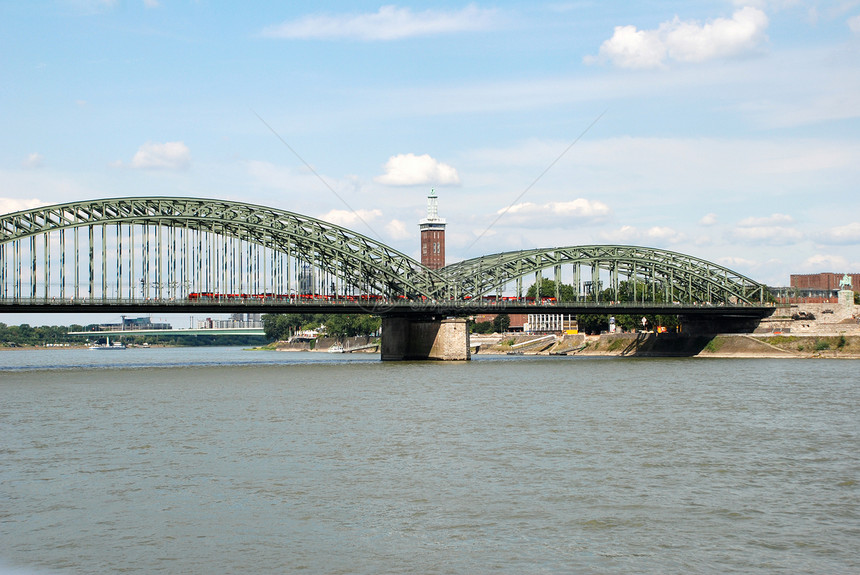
(221, 460)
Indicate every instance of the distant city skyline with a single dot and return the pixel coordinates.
(727, 130)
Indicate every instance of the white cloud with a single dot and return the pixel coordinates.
(50, 186)
(34, 160)
(350, 219)
(767, 89)
(689, 42)
(824, 262)
(580, 209)
(769, 231)
(553, 214)
(854, 24)
(167, 156)
(398, 230)
(624, 235)
(735, 263)
(151, 3)
(653, 236)
(771, 221)
(389, 23)
(685, 41)
(842, 235)
(412, 170)
(632, 48)
(662, 233)
(708, 220)
(9, 205)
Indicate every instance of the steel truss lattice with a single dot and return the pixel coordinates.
(355, 259)
(676, 276)
(32, 266)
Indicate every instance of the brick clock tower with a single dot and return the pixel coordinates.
(432, 235)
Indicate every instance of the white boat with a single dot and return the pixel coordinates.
(108, 345)
(336, 348)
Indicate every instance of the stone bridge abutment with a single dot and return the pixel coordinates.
(408, 338)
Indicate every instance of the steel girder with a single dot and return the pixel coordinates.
(690, 279)
(360, 260)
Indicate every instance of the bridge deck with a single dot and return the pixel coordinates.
(407, 308)
(185, 331)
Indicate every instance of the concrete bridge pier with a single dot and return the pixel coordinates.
(405, 338)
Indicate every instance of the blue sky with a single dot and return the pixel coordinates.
(727, 130)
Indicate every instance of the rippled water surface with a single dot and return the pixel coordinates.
(230, 461)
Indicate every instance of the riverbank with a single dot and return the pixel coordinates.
(609, 345)
(622, 345)
(357, 344)
(676, 345)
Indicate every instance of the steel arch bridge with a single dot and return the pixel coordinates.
(166, 249)
(655, 273)
(173, 247)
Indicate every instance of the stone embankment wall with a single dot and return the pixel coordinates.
(726, 345)
(813, 319)
(325, 343)
(680, 345)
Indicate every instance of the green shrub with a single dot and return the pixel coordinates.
(714, 345)
(482, 327)
(615, 345)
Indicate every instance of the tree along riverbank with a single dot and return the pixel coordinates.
(53, 337)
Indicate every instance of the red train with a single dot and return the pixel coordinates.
(363, 298)
(304, 297)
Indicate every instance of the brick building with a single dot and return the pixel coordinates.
(432, 235)
(518, 320)
(815, 288)
(825, 281)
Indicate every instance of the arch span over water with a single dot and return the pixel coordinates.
(172, 248)
(672, 275)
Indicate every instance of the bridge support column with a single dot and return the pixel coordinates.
(405, 338)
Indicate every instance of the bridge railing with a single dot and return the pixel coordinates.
(350, 304)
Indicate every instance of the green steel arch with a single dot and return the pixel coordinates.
(677, 276)
(356, 259)
(34, 265)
